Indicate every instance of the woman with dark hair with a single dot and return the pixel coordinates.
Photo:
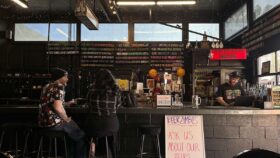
(103, 100)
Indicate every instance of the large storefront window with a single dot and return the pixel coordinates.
(236, 22)
(31, 32)
(157, 32)
(105, 32)
(63, 32)
(209, 29)
(266, 64)
(262, 6)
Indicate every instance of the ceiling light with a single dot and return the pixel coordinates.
(176, 2)
(23, 3)
(131, 3)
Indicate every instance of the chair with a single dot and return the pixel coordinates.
(152, 130)
(106, 142)
(13, 132)
(257, 153)
(52, 135)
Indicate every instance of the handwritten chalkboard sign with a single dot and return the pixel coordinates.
(184, 136)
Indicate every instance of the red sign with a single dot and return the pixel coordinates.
(228, 54)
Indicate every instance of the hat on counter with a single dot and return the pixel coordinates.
(57, 73)
(235, 74)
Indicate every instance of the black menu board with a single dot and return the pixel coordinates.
(62, 48)
(132, 53)
(97, 54)
(167, 56)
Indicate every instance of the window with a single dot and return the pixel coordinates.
(63, 32)
(31, 32)
(157, 32)
(262, 6)
(236, 22)
(264, 59)
(106, 32)
(278, 60)
(209, 29)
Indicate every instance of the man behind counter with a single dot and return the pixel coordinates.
(228, 92)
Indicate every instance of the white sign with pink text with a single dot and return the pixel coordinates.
(184, 136)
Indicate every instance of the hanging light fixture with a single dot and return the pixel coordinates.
(135, 3)
(176, 2)
(155, 2)
(21, 3)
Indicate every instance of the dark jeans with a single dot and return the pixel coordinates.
(75, 134)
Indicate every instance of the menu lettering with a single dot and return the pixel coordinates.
(184, 136)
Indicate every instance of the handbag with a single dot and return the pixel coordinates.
(128, 99)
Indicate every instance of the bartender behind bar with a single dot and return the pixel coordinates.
(228, 92)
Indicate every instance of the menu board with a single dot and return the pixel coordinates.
(275, 94)
(132, 53)
(254, 38)
(184, 136)
(167, 56)
(62, 48)
(97, 54)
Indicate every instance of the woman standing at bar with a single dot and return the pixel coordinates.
(103, 101)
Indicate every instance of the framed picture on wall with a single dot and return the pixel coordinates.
(266, 67)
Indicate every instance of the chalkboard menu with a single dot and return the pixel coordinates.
(162, 56)
(97, 54)
(167, 56)
(62, 48)
(262, 30)
(132, 53)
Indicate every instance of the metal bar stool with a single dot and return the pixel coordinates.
(152, 130)
(52, 135)
(257, 153)
(18, 130)
(106, 142)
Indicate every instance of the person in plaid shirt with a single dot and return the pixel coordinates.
(103, 100)
(52, 114)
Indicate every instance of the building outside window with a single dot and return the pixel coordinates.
(236, 22)
(211, 29)
(261, 7)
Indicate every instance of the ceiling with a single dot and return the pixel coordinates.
(63, 10)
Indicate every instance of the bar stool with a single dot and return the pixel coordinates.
(52, 135)
(152, 130)
(257, 153)
(14, 132)
(106, 142)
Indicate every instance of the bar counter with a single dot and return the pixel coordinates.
(173, 110)
(227, 131)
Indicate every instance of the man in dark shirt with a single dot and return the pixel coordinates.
(227, 92)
